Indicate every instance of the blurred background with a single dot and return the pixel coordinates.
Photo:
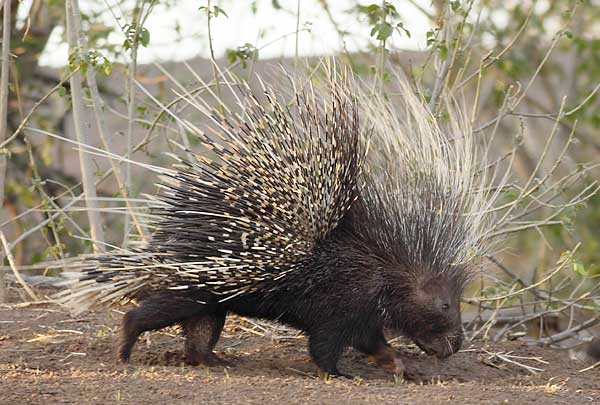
(103, 73)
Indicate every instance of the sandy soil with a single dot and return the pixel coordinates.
(47, 357)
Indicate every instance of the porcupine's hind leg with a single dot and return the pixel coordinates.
(201, 335)
(154, 312)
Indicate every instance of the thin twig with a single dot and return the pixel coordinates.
(559, 337)
(508, 358)
(212, 55)
(133, 43)
(596, 364)
(297, 35)
(493, 59)
(11, 262)
(442, 71)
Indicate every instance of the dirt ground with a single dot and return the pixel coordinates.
(47, 357)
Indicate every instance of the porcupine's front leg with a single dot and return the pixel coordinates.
(201, 335)
(381, 353)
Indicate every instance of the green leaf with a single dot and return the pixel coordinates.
(443, 51)
(400, 27)
(384, 30)
(106, 67)
(579, 268)
(144, 37)
(430, 35)
(231, 56)
(243, 53)
(390, 9)
(373, 8)
(36, 258)
(218, 10)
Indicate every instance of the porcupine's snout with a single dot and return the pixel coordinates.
(441, 346)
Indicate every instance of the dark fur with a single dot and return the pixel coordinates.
(345, 295)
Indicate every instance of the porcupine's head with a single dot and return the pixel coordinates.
(426, 309)
(419, 250)
(424, 211)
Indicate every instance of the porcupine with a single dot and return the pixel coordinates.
(291, 217)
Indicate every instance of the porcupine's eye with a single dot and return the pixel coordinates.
(445, 306)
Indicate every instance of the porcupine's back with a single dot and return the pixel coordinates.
(274, 179)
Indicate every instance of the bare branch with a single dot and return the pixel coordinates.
(87, 172)
(3, 117)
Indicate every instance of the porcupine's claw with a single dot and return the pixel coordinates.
(325, 376)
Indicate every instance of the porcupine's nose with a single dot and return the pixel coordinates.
(442, 346)
(449, 345)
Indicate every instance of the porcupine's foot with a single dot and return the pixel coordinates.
(388, 361)
(325, 376)
(206, 359)
(383, 355)
(326, 349)
(201, 335)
